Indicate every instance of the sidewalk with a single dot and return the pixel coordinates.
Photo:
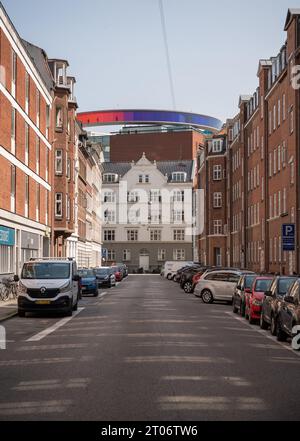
(8, 309)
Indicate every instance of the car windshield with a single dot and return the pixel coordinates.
(249, 281)
(45, 270)
(263, 285)
(86, 273)
(102, 271)
(283, 285)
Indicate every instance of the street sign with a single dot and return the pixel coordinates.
(104, 253)
(288, 237)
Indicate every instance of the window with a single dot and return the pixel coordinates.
(47, 164)
(270, 207)
(217, 227)
(178, 216)
(13, 188)
(179, 255)
(68, 168)
(179, 177)
(26, 211)
(132, 235)
(178, 196)
(133, 196)
(217, 200)
(126, 255)
(217, 145)
(155, 196)
(13, 130)
(275, 205)
(292, 172)
(279, 158)
(111, 255)
(58, 205)
(109, 197)
(147, 179)
(155, 235)
(59, 122)
(68, 205)
(26, 144)
(270, 122)
(217, 172)
(283, 107)
(161, 255)
(6, 259)
(283, 153)
(262, 148)
(140, 179)
(47, 207)
(58, 162)
(37, 155)
(110, 178)
(270, 165)
(38, 103)
(284, 201)
(47, 120)
(109, 216)
(27, 92)
(109, 235)
(292, 121)
(279, 112)
(37, 209)
(179, 235)
(274, 164)
(14, 73)
(279, 203)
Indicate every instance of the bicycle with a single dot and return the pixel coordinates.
(9, 289)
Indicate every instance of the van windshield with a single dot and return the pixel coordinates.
(45, 270)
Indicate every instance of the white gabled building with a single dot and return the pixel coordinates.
(147, 212)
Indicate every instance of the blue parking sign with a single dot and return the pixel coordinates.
(288, 237)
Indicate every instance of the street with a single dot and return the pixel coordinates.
(145, 350)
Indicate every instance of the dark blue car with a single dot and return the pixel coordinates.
(89, 283)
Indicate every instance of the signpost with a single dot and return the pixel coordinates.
(288, 237)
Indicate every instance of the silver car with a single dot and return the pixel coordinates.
(217, 285)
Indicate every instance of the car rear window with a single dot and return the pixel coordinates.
(263, 285)
(249, 281)
(284, 284)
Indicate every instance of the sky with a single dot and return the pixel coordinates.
(116, 51)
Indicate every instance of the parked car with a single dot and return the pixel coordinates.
(118, 273)
(123, 269)
(105, 277)
(217, 285)
(288, 312)
(88, 281)
(244, 286)
(48, 284)
(177, 276)
(172, 267)
(186, 282)
(254, 300)
(269, 313)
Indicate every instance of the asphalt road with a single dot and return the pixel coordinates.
(146, 351)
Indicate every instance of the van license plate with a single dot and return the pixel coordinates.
(43, 302)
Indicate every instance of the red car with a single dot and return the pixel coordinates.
(118, 273)
(254, 298)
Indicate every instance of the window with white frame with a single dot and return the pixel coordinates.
(13, 130)
(58, 162)
(37, 155)
(279, 112)
(110, 216)
(155, 196)
(270, 207)
(133, 196)
(292, 172)
(179, 177)
(279, 158)
(126, 255)
(283, 154)
(284, 207)
(275, 205)
(283, 107)
(26, 211)
(38, 103)
(13, 72)
(270, 165)
(111, 255)
(13, 188)
(27, 92)
(275, 161)
(217, 145)
(59, 120)
(217, 227)
(109, 235)
(292, 121)
(279, 203)
(132, 235)
(178, 216)
(161, 255)
(26, 144)
(68, 167)
(109, 197)
(37, 202)
(274, 117)
(217, 200)
(155, 235)
(6, 259)
(58, 205)
(217, 172)
(47, 120)
(179, 254)
(110, 178)
(179, 235)
(178, 196)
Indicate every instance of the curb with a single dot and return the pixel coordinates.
(9, 316)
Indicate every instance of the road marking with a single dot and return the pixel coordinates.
(54, 327)
(264, 333)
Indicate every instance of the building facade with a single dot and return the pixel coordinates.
(147, 212)
(25, 150)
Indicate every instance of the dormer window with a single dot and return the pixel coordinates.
(217, 145)
(110, 178)
(144, 179)
(179, 177)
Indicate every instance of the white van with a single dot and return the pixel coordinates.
(48, 284)
(171, 268)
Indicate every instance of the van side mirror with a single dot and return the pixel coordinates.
(16, 278)
(76, 278)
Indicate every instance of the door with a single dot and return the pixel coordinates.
(144, 262)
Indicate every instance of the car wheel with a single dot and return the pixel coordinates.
(207, 297)
(234, 308)
(188, 288)
(21, 313)
(273, 325)
(69, 313)
(281, 335)
(169, 276)
(263, 324)
(96, 293)
(75, 307)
